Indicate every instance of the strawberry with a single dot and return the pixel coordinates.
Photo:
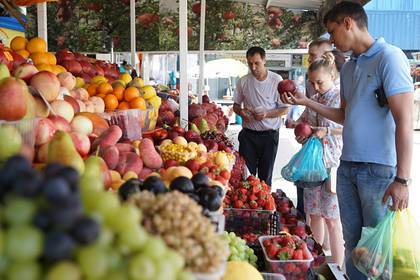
(283, 253)
(243, 191)
(289, 268)
(243, 197)
(253, 204)
(298, 254)
(238, 204)
(287, 241)
(306, 254)
(266, 243)
(252, 197)
(269, 205)
(261, 202)
(272, 251)
(256, 188)
(225, 174)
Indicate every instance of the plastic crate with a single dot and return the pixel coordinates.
(291, 269)
(27, 130)
(132, 121)
(245, 221)
(272, 276)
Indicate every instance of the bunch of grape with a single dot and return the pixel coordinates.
(180, 222)
(47, 231)
(239, 251)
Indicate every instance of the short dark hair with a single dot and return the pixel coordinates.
(347, 9)
(255, 50)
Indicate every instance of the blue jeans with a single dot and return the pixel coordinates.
(360, 188)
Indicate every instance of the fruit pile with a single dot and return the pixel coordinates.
(239, 251)
(250, 194)
(179, 221)
(238, 171)
(287, 254)
(207, 115)
(55, 223)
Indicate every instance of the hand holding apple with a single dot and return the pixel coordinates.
(296, 98)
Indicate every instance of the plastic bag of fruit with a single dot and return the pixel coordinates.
(373, 253)
(405, 246)
(307, 165)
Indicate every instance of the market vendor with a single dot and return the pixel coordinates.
(257, 101)
(376, 113)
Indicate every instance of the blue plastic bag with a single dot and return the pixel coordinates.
(307, 165)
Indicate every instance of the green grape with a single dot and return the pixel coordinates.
(64, 271)
(106, 204)
(185, 275)
(154, 248)
(93, 261)
(164, 270)
(176, 259)
(142, 267)
(116, 275)
(19, 211)
(134, 238)
(91, 183)
(115, 260)
(90, 198)
(24, 270)
(124, 217)
(1, 242)
(4, 263)
(106, 236)
(233, 251)
(23, 243)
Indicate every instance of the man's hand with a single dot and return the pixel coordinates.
(399, 194)
(319, 132)
(260, 116)
(246, 115)
(301, 139)
(298, 98)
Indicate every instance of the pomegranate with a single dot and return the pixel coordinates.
(286, 86)
(303, 129)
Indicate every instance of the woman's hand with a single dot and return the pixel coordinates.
(298, 98)
(301, 140)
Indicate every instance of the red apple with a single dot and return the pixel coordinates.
(45, 131)
(286, 86)
(303, 129)
(191, 136)
(178, 129)
(193, 165)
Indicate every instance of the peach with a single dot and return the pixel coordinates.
(81, 143)
(98, 104)
(90, 106)
(63, 108)
(82, 124)
(25, 71)
(60, 123)
(80, 93)
(45, 131)
(12, 93)
(63, 92)
(99, 124)
(41, 109)
(47, 84)
(67, 80)
(73, 102)
(82, 106)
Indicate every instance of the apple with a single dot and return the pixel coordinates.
(12, 96)
(303, 129)
(191, 136)
(286, 86)
(81, 143)
(25, 71)
(72, 66)
(193, 165)
(63, 109)
(211, 145)
(45, 131)
(170, 162)
(60, 123)
(82, 125)
(47, 84)
(178, 129)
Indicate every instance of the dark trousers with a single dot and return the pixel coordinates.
(259, 149)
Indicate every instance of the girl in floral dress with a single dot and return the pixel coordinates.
(321, 202)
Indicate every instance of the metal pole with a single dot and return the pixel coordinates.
(183, 57)
(133, 32)
(41, 10)
(201, 56)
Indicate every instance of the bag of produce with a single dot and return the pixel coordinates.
(373, 253)
(307, 165)
(406, 247)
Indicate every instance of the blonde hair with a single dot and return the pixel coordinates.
(326, 62)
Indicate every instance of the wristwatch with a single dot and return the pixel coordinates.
(403, 181)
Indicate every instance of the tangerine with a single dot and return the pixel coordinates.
(51, 58)
(123, 105)
(18, 43)
(104, 88)
(111, 102)
(91, 89)
(138, 103)
(23, 53)
(39, 58)
(119, 92)
(36, 44)
(130, 93)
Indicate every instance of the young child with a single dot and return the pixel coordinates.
(321, 202)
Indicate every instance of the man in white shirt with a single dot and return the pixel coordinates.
(258, 103)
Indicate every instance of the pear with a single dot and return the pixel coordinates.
(10, 141)
(203, 127)
(194, 128)
(61, 149)
(4, 71)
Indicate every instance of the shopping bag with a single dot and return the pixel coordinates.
(307, 165)
(373, 253)
(406, 246)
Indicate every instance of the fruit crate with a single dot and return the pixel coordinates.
(291, 269)
(132, 121)
(273, 276)
(251, 221)
(22, 135)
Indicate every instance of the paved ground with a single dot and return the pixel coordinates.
(288, 147)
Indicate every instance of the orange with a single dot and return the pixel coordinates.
(51, 58)
(101, 95)
(105, 88)
(123, 105)
(119, 93)
(18, 43)
(111, 102)
(36, 44)
(138, 103)
(39, 58)
(91, 89)
(43, 67)
(131, 93)
(23, 53)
